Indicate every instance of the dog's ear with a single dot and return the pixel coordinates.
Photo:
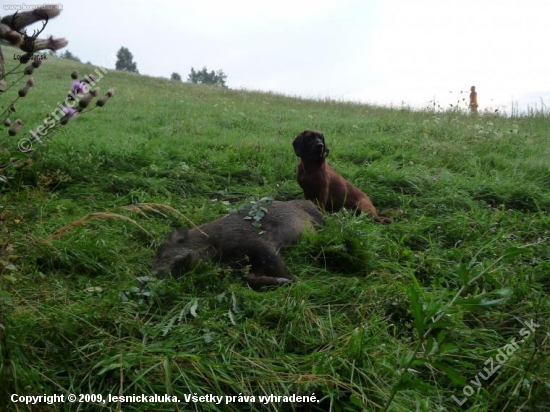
(322, 137)
(298, 145)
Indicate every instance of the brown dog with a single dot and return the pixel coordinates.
(321, 183)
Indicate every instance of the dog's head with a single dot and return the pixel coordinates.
(310, 145)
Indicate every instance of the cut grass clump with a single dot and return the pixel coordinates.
(523, 197)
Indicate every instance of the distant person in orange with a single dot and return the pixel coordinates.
(473, 100)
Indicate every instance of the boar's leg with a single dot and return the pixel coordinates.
(257, 282)
(267, 267)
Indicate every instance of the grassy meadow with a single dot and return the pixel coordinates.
(399, 317)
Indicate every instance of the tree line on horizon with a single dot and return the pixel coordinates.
(125, 61)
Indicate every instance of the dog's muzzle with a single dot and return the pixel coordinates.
(323, 151)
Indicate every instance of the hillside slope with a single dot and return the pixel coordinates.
(399, 317)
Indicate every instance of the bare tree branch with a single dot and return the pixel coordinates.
(11, 32)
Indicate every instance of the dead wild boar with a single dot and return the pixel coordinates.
(233, 239)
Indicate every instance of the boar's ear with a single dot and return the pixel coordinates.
(178, 235)
(181, 266)
(298, 145)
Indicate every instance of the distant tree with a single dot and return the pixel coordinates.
(205, 77)
(175, 76)
(68, 55)
(125, 61)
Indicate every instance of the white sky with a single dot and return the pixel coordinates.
(375, 51)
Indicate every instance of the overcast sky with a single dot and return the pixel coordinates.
(374, 51)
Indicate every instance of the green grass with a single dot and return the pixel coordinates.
(399, 317)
